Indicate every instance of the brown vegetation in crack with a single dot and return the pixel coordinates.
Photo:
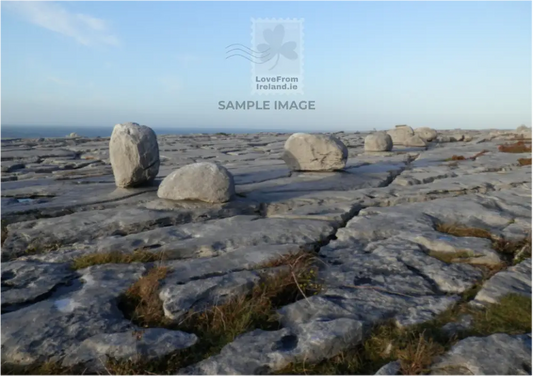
(417, 346)
(293, 278)
(116, 257)
(463, 158)
(463, 231)
(517, 147)
(524, 161)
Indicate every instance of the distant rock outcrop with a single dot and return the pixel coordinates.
(134, 154)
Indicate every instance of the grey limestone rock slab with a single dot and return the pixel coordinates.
(514, 280)
(498, 354)
(146, 344)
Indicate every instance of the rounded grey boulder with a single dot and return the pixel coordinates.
(426, 133)
(134, 154)
(400, 134)
(310, 152)
(204, 181)
(379, 141)
(415, 141)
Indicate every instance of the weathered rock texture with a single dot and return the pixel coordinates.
(427, 134)
(310, 152)
(372, 226)
(204, 181)
(401, 134)
(134, 154)
(379, 141)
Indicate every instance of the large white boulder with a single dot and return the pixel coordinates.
(426, 133)
(204, 181)
(401, 134)
(415, 141)
(134, 154)
(310, 152)
(379, 141)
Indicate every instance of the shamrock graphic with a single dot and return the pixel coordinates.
(274, 46)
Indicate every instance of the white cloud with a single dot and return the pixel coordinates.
(85, 29)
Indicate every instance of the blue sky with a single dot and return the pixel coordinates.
(366, 64)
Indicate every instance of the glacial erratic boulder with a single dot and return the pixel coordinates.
(379, 141)
(400, 134)
(415, 141)
(204, 181)
(426, 133)
(134, 154)
(310, 152)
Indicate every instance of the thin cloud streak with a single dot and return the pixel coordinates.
(84, 28)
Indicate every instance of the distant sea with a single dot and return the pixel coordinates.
(12, 131)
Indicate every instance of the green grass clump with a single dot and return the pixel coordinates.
(116, 257)
(511, 315)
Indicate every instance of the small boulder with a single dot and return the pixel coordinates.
(426, 133)
(379, 141)
(204, 181)
(310, 152)
(400, 134)
(134, 154)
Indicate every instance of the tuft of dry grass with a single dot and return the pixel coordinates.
(44, 368)
(416, 346)
(450, 257)
(513, 251)
(219, 325)
(517, 147)
(116, 257)
(524, 161)
(141, 301)
(463, 231)
(416, 357)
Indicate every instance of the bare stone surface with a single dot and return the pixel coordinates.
(370, 218)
